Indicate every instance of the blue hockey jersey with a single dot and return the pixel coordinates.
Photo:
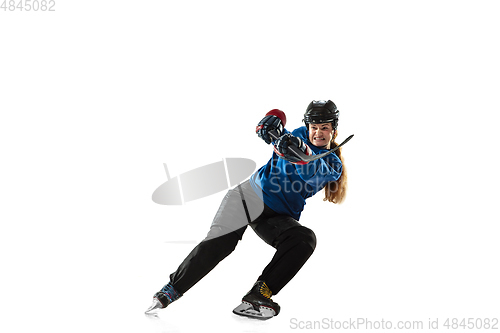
(285, 186)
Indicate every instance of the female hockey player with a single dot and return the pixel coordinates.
(271, 202)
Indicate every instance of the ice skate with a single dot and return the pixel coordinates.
(163, 298)
(160, 301)
(257, 303)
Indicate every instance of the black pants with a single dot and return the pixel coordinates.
(293, 242)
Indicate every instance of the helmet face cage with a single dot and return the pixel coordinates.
(320, 112)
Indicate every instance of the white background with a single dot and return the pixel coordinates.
(97, 95)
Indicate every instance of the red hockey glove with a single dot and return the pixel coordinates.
(274, 120)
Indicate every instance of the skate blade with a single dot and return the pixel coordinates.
(247, 310)
(154, 307)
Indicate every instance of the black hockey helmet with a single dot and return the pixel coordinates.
(320, 112)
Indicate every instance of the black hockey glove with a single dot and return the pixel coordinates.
(270, 122)
(281, 148)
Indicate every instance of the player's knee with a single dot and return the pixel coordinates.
(217, 231)
(308, 237)
(223, 239)
(301, 236)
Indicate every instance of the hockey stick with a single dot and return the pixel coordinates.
(306, 158)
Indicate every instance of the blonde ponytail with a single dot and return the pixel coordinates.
(336, 191)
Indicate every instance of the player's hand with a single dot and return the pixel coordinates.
(270, 122)
(281, 148)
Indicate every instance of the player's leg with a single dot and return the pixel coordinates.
(293, 248)
(227, 229)
(204, 257)
(294, 245)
